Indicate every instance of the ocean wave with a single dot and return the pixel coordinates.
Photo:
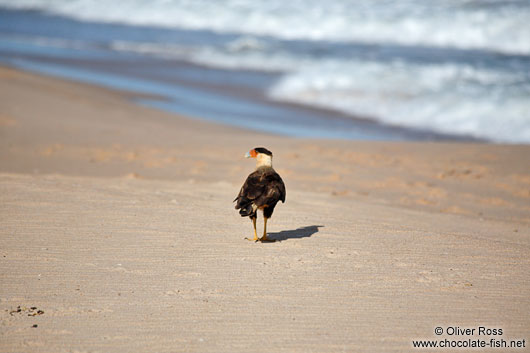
(455, 99)
(494, 25)
(425, 83)
(488, 102)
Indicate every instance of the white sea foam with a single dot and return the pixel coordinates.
(496, 25)
(454, 98)
(446, 98)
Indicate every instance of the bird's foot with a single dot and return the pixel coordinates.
(267, 239)
(255, 239)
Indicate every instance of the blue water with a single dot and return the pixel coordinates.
(315, 83)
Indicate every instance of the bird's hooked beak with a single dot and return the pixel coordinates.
(251, 154)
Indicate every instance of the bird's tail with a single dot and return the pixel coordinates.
(246, 210)
(244, 206)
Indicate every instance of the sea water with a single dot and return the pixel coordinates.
(457, 67)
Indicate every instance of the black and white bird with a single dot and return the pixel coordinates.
(261, 191)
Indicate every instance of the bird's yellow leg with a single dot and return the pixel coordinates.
(264, 237)
(255, 233)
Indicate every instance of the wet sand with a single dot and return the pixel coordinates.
(117, 224)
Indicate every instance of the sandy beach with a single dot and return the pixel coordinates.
(118, 233)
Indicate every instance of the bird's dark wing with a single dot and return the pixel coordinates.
(261, 188)
(252, 189)
(275, 188)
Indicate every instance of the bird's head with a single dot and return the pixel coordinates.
(263, 156)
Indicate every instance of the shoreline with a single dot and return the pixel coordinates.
(116, 222)
(304, 121)
(233, 97)
(424, 86)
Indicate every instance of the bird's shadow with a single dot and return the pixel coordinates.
(302, 232)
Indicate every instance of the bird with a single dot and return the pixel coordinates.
(262, 190)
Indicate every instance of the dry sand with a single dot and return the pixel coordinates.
(118, 234)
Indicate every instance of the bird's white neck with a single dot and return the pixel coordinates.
(263, 160)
